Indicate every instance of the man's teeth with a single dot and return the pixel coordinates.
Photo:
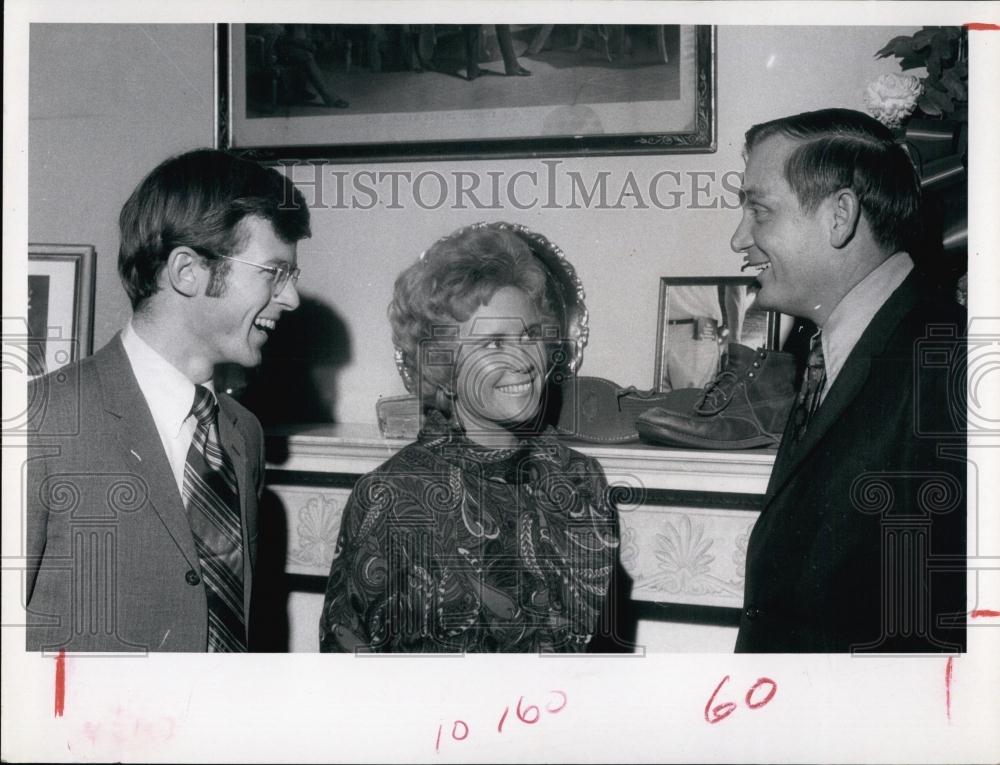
(761, 267)
(268, 324)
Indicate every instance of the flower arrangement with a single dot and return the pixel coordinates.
(944, 91)
(929, 116)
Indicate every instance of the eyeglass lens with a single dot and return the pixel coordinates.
(282, 275)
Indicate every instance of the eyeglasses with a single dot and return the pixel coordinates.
(280, 274)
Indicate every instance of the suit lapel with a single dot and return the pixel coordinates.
(129, 418)
(845, 389)
(235, 445)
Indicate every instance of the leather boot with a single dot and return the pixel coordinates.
(746, 405)
(600, 411)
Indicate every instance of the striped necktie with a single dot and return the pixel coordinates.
(813, 383)
(213, 506)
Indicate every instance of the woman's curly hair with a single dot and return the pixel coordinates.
(457, 275)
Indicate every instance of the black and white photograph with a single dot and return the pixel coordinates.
(537, 382)
(699, 318)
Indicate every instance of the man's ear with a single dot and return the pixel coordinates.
(846, 213)
(184, 271)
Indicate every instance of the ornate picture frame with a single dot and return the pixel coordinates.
(416, 92)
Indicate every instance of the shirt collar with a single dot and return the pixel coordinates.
(854, 313)
(168, 391)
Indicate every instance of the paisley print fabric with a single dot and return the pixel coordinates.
(450, 547)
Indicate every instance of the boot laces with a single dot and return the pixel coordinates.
(718, 393)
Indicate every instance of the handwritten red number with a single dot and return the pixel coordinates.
(947, 685)
(525, 716)
(559, 708)
(529, 714)
(719, 712)
(60, 699)
(722, 711)
(770, 694)
(503, 718)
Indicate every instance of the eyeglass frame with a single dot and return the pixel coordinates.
(278, 282)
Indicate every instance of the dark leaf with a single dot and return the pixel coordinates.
(911, 62)
(898, 47)
(922, 39)
(932, 81)
(934, 66)
(939, 98)
(942, 47)
(890, 47)
(927, 107)
(953, 84)
(952, 33)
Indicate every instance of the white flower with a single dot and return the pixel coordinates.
(892, 98)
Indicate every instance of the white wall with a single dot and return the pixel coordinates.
(108, 102)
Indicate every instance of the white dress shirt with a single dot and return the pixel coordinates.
(855, 312)
(169, 395)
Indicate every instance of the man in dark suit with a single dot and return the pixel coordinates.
(143, 481)
(860, 544)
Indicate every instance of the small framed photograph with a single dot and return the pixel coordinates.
(698, 318)
(352, 92)
(60, 305)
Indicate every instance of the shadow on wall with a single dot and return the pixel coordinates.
(295, 383)
(297, 379)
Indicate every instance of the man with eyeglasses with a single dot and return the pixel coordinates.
(142, 501)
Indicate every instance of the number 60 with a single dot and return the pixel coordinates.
(719, 712)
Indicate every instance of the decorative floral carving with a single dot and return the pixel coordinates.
(316, 532)
(740, 553)
(684, 555)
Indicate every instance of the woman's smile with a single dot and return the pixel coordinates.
(516, 388)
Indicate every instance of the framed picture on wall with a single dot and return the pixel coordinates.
(351, 92)
(698, 318)
(60, 305)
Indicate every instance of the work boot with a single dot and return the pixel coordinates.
(746, 405)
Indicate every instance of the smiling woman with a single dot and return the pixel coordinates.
(487, 534)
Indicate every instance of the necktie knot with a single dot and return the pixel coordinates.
(816, 360)
(205, 407)
(813, 383)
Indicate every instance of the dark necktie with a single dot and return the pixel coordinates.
(213, 506)
(813, 383)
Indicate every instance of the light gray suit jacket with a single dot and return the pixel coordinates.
(111, 561)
